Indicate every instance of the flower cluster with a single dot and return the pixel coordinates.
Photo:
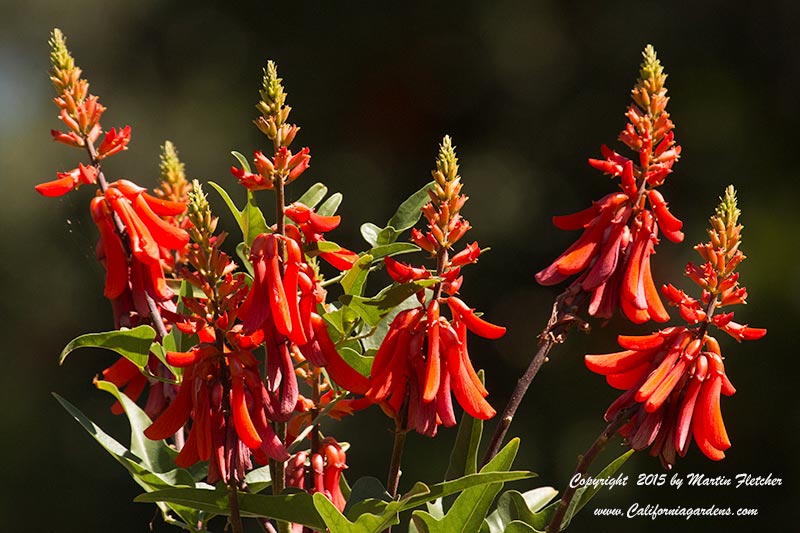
(424, 356)
(284, 167)
(326, 468)
(620, 231)
(80, 112)
(674, 378)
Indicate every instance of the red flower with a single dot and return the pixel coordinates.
(424, 357)
(620, 231)
(673, 378)
(67, 181)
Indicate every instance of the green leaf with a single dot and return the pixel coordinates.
(387, 236)
(155, 468)
(322, 246)
(373, 342)
(395, 248)
(258, 479)
(583, 494)
(370, 233)
(313, 195)
(513, 505)
(242, 161)
(354, 280)
(133, 344)
(329, 206)
(410, 210)
(243, 252)
(372, 310)
(464, 457)
(519, 527)
(296, 507)
(254, 219)
(365, 523)
(365, 488)
(361, 364)
(470, 508)
(250, 219)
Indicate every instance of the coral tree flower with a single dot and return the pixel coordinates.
(611, 259)
(423, 359)
(674, 378)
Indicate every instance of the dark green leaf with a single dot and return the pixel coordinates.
(464, 457)
(157, 454)
(410, 210)
(365, 488)
(296, 507)
(133, 344)
(313, 195)
(329, 206)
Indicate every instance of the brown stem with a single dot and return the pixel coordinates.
(583, 467)
(400, 433)
(561, 319)
(152, 307)
(234, 520)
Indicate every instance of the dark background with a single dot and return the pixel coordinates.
(528, 90)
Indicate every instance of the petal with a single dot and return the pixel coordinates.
(55, 188)
(241, 416)
(476, 325)
(433, 363)
(340, 372)
(175, 416)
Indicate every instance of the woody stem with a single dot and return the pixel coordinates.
(583, 467)
(155, 314)
(235, 519)
(557, 326)
(400, 433)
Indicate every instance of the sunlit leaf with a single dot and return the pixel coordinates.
(372, 310)
(297, 507)
(410, 210)
(242, 161)
(133, 344)
(313, 195)
(329, 206)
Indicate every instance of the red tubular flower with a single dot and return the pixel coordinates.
(114, 142)
(67, 181)
(674, 378)
(612, 256)
(313, 226)
(423, 360)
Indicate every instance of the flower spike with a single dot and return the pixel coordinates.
(674, 378)
(611, 259)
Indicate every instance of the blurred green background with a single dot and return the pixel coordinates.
(528, 90)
